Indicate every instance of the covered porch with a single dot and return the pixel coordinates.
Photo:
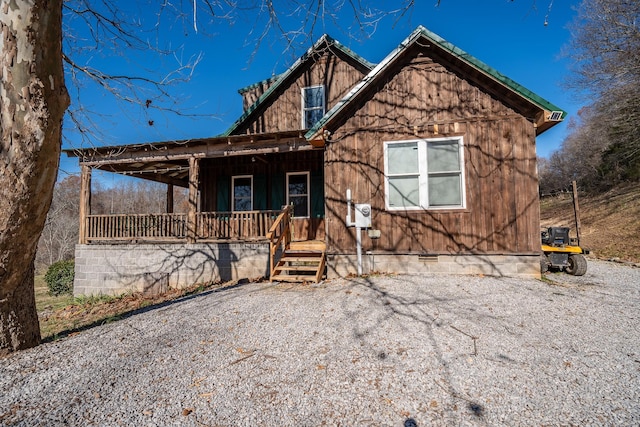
(237, 186)
(263, 190)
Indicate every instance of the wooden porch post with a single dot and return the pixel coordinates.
(194, 170)
(169, 198)
(85, 202)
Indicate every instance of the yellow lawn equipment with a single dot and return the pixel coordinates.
(560, 252)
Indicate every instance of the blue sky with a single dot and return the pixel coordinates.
(510, 36)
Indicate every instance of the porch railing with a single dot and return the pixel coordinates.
(280, 235)
(234, 225)
(250, 225)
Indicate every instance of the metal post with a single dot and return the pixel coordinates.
(359, 249)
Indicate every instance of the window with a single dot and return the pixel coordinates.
(424, 174)
(298, 193)
(312, 105)
(242, 193)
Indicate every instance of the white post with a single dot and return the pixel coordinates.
(358, 233)
(349, 223)
(359, 249)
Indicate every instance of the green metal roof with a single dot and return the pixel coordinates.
(452, 50)
(260, 83)
(325, 39)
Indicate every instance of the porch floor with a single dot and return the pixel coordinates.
(308, 245)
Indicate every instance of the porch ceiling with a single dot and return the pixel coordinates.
(168, 161)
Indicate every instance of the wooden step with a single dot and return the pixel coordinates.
(297, 268)
(288, 258)
(308, 245)
(300, 258)
(303, 252)
(293, 278)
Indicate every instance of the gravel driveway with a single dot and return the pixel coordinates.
(393, 351)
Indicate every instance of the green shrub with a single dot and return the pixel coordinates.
(59, 278)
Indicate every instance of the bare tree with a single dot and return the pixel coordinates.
(605, 46)
(98, 29)
(605, 49)
(60, 233)
(134, 196)
(103, 28)
(603, 146)
(580, 156)
(620, 114)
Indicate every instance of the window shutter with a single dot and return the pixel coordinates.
(317, 194)
(224, 186)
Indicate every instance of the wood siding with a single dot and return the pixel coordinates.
(283, 112)
(269, 181)
(421, 98)
(255, 91)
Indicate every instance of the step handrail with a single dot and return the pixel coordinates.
(280, 234)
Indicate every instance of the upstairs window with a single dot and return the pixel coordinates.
(312, 105)
(424, 174)
(298, 193)
(242, 193)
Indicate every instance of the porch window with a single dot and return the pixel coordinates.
(242, 193)
(298, 193)
(424, 174)
(312, 105)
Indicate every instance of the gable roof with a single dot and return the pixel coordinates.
(324, 41)
(453, 51)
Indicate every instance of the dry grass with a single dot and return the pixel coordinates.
(66, 315)
(44, 301)
(46, 304)
(610, 221)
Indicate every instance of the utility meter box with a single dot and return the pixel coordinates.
(363, 215)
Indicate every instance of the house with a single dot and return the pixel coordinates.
(436, 146)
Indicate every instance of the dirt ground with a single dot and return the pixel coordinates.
(610, 222)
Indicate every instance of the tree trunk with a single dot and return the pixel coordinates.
(19, 319)
(34, 100)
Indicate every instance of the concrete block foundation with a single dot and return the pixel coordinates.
(340, 265)
(153, 268)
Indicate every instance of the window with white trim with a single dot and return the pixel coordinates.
(242, 193)
(424, 174)
(312, 105)
(298, 193)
